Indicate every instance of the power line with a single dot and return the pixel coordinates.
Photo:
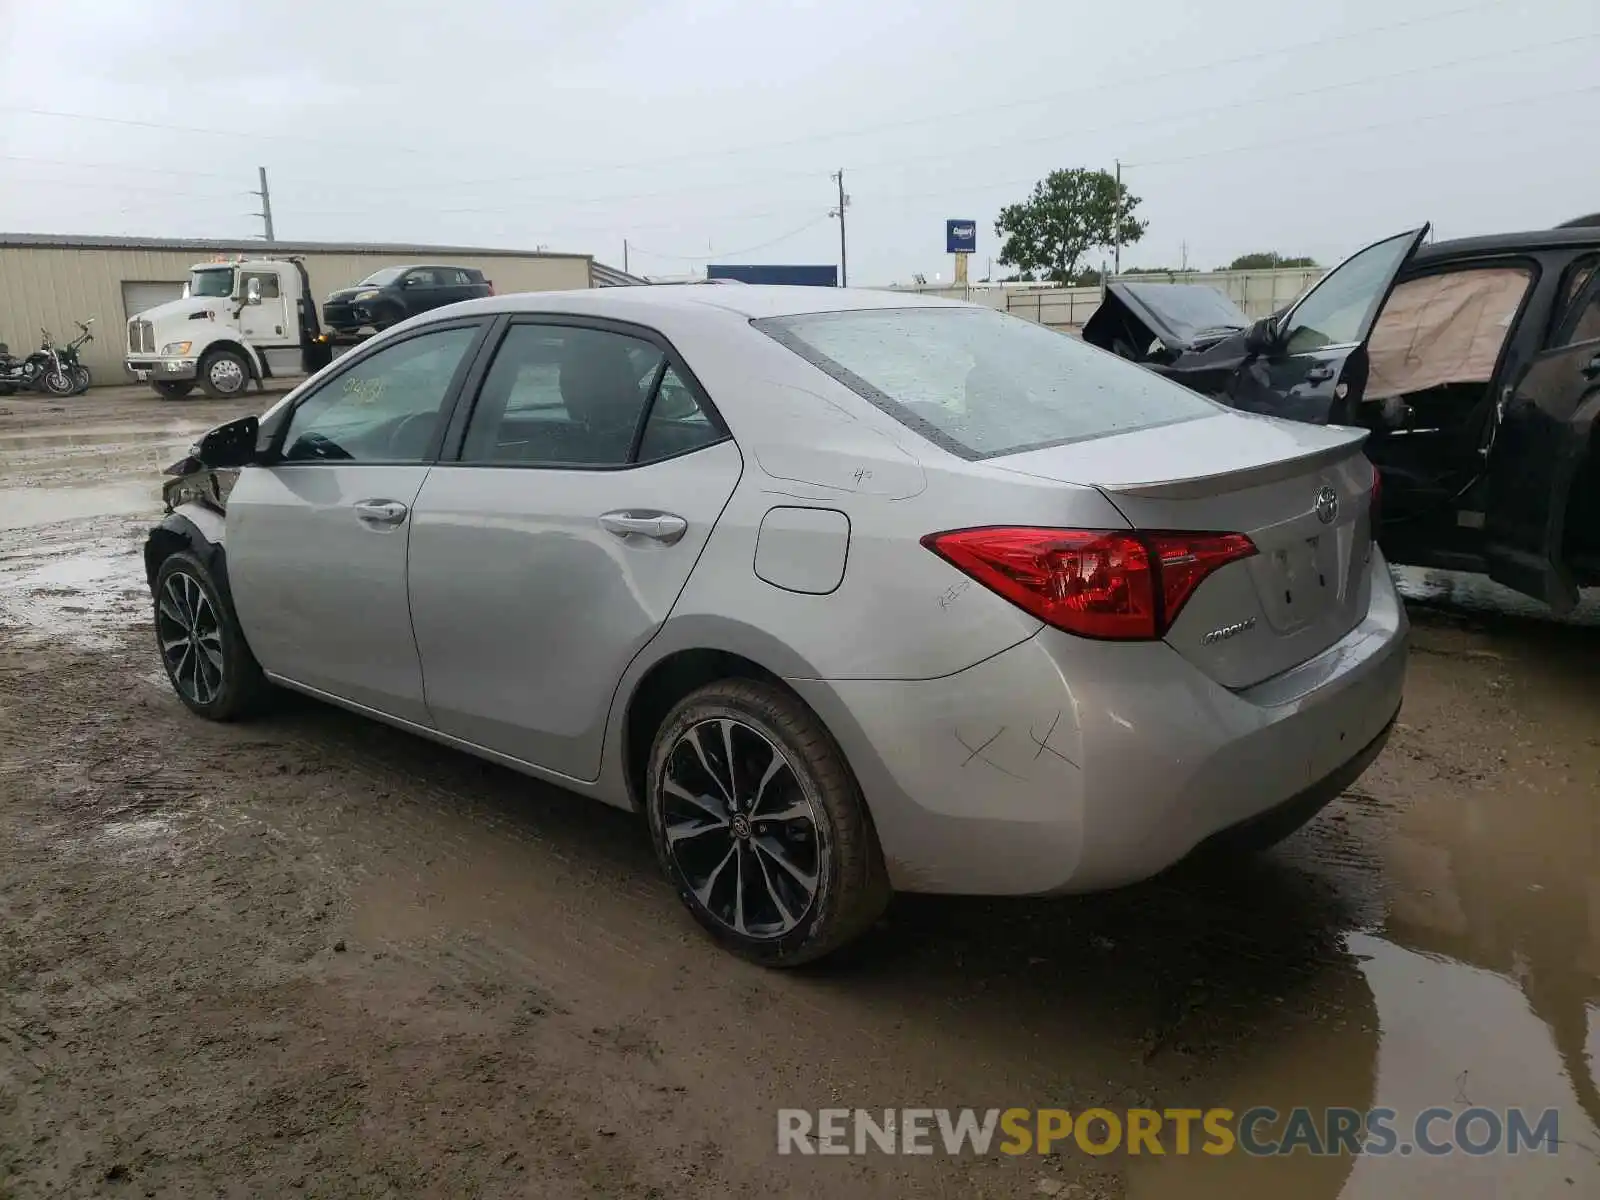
(1301, 138)
(857, 131)
(117, 189)
(1077, 130)
(1345, 131)
(65, 162)
(947, 152)
(695, 258)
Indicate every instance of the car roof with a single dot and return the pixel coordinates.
(1501, 243)
(752, 301)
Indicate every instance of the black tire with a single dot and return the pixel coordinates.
(57, 383)
(176, 389)
(81, 380)
(386, 315)
(223, 374)
(833, 842)
(229, 684)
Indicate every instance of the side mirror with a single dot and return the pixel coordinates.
(1262, 337)
(230, 445)
(252, 292)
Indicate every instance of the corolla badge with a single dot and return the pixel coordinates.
(1228, 631)
(1327, 505)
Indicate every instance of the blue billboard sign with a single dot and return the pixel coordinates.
(960, 237)
(804, 276)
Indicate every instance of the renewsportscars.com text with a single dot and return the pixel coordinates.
(1259, 1131)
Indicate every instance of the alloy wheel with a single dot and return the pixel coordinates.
(741, 828)
(191, 638)
(226, 375)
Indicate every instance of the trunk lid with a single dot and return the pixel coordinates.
(1302, 493)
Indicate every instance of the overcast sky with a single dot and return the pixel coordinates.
(708, 129)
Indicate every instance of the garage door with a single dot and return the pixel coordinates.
(139, 296)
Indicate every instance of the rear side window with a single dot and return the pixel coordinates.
(980, 383)
(561, 395)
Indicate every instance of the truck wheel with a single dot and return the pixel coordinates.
(224, 374)
(174, 389)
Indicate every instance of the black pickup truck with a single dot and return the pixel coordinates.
(389, 296)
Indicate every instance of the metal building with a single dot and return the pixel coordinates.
(51, 281)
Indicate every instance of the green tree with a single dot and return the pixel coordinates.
(1070, 213)
(1267, 261)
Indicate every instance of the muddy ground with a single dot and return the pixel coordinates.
(310, 955)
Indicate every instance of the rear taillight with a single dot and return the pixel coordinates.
(490, 282)
(1092, 582)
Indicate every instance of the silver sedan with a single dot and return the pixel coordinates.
(846, 591)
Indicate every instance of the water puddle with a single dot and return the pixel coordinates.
(29, 507)
(82, 593)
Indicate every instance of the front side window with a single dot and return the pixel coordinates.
(212, 282)
(560, 395)
(386, 408)
(981, 383)
(269, 285)
(1339, 311)
(421, 279)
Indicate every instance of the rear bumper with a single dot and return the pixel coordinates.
(1066, 765)
(156, 370)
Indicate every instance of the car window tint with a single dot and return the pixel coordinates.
(1339, 310)
(386, 408)
(677, 423)
(421, 279)
(981, 383)
(561, 395)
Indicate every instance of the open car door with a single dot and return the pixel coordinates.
(1311, 363)
(1543, 434)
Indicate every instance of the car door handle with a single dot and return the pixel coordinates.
(381, 512)
(1591, 369)
(657, 526)
(1319, 374)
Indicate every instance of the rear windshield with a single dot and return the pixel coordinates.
(980, 383)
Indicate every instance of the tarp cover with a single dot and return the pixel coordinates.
(1443, 329)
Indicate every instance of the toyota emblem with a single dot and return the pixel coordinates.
(1327, 505)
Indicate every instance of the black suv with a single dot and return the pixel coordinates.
(389, 296)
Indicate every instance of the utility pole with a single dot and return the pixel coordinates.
(266, 205)
(1185, 255)
(625, 256)
(1116, 224)
(844, 203)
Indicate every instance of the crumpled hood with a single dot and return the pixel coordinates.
(1184, 316)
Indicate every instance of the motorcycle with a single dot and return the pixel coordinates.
(41, 371)
(76, 371)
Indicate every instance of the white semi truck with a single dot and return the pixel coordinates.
(249, 320)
